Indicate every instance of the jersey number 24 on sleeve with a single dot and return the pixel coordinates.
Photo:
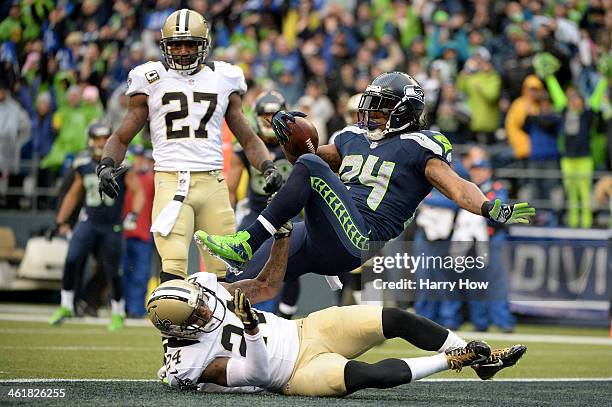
(183, 112)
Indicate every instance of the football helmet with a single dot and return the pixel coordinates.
(399, 97)
(266, 104)
(185, 26)
(173, 308)
(95, 131)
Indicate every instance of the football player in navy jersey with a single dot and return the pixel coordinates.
(387, 165)
(266, 104)
(99, 225)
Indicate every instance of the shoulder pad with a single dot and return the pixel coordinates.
(348, 132)
(226, 69)
(81, 160)
(433, 141)
(142, 76)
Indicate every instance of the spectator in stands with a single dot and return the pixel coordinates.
(15, 128)
(139, 244)
(482, 86)
(71, 122)
(453, 114)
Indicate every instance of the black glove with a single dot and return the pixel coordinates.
(243, 310)
(273, 178)
(51, 231)
(284, 231)
(108, 174)
(279, 124)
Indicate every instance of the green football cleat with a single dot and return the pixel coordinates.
(234, 249)
(60, 315)
(116, 322)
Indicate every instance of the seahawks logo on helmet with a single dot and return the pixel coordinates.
(397, 95)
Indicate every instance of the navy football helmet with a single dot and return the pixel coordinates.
(398, 96)
(266, 104)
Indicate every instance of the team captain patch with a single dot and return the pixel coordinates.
(152, 76)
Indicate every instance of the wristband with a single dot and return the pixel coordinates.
(106, 162)
(486, 208)
(266, 164)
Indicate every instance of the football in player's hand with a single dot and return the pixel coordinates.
(302, 140)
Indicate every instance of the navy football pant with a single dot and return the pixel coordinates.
(334, 234)
(85, 238)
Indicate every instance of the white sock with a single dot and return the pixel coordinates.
(68, 299)
(118, 307)
(287, 309)
(267, 225)
(426, 366)
(452, 341)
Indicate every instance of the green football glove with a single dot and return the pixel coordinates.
(504, 213)
(545, 64)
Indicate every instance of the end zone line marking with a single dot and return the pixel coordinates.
(517, 380)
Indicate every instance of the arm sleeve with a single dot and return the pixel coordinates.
(254, 370)
(556, 93)
(594, 101)
(137, 84)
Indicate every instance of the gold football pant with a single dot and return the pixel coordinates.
(206, 207)
(328, 340)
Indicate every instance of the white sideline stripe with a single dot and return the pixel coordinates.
(567, 339)
(520, 380)
(490, 336)
(71, 321)
(83, 348)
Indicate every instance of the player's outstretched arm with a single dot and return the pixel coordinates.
(270, 279)
(135, 118)
(469, 197)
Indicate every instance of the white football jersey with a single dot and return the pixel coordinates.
(186, 359)
(186, 112)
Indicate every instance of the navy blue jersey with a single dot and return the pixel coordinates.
(98, 210)
(386, 178)
(258, 198)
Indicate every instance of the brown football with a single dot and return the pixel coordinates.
(303, 139)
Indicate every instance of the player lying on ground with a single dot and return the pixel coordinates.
(219, 343)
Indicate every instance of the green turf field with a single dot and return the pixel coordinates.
(34, 350)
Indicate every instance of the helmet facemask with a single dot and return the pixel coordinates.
(399, 98)
(188, 63)
(191, 324)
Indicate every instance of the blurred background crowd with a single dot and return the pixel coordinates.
(527, 79)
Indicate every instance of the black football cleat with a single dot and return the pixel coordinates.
(500, 359)
(475, 352)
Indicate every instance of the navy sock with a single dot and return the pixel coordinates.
(287, 204)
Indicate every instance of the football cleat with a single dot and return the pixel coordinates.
(116, 322)
(475, 352)
(234, 250)
(60, 315)
(499, 359)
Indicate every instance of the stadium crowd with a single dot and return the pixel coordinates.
(527, 78)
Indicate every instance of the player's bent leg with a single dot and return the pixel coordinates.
(173, 248)
(381, 375)
(419, 331)
(359, 327)
(213, 213)
(322, 375)
(81, 243)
